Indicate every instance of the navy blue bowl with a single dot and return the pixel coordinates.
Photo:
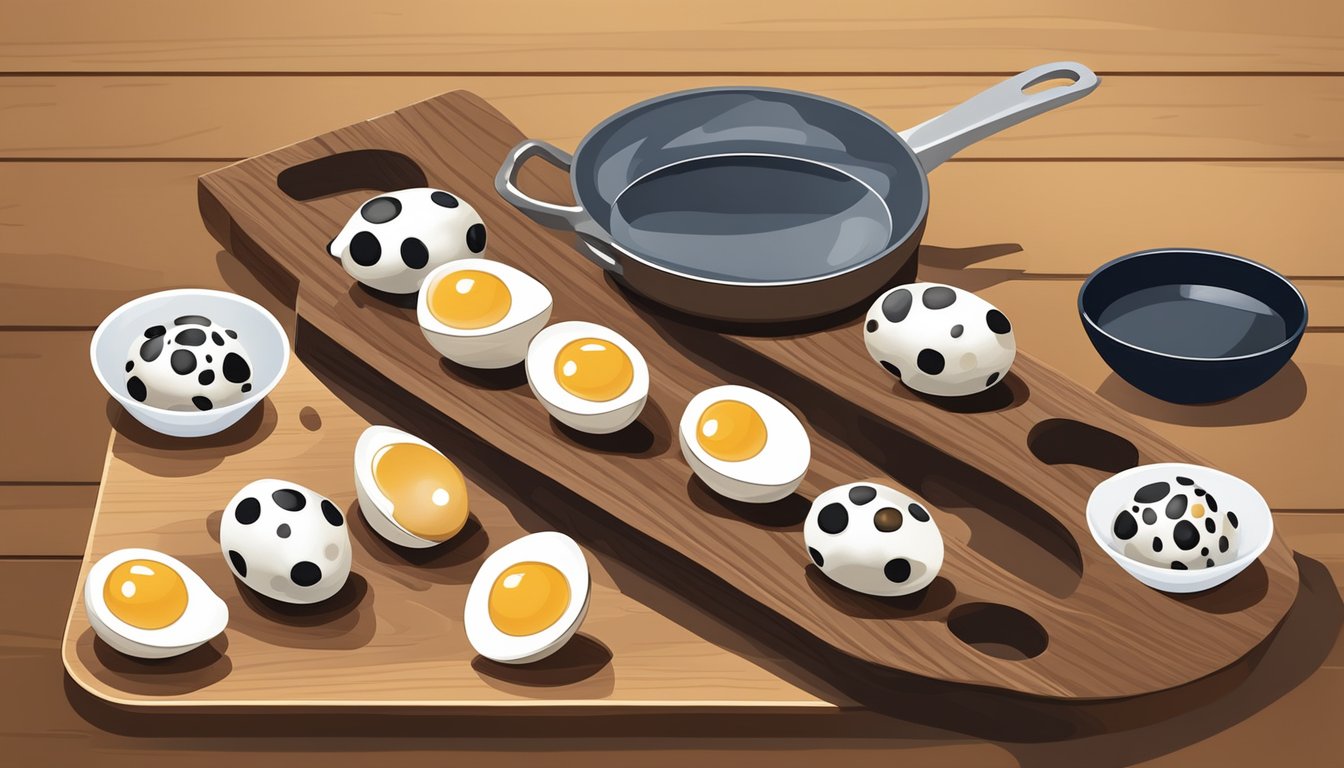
(1192, 326)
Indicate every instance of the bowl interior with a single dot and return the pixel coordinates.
(1193, 304)
(258, 331)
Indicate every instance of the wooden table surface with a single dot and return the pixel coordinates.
(1214, 126)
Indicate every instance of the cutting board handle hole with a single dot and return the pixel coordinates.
(381, 170)
(998, 631)
(1065, 441)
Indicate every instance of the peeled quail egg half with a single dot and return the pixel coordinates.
(410, 493)
(481, 313)
(587, 376)
(149, 605)
(744, 444)
(528, 599)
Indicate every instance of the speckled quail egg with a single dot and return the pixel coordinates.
(587, 376)
(151, 606)
(410, 493)
(482, 313)
(940, 340)
(393, 241)
(744, 444)
(1175, 523)
(286, 542)
(191, 365)
(528, 599)
(873, 539)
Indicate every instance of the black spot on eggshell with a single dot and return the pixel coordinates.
(365, 249)
(1204, 552)
(1232, 518)
(247, 511)
(897, 570)
(1186, 535)
(183, 361)
(476, 238)
(129, 365)
(305, 573)
(833, 518)
(1209, 563)
(150, 350)
(1209, 525)
(1176, 506)
(1149, 515)
(888, 519)
(1213, 505)
(930, 361)
(896, 305)
(202, 403)
(918, 512)
(380, 210)
(816, 557)
(862, 494)
(893, 370)
(939, 297)
(957, 330)
(239, 564)
(1184, 480)
(443, 199)
(993, 377)
(283, 531)
(209, 358)
(414, 254)
(215, 337)
(136, 389)
(998, 322)
(1153, 492)
(231, 334)
(1178, 566)
(289, 499)
(1199, 491)
(206, 378)
(247, 388)
(332, 513)
(235, 368)
(155, 331)
(1223, 543)
(192, 320)
(871, 326)
(1157, 544)
(192, 337)
(1125, 526)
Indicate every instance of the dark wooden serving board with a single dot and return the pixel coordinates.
(1025, 604)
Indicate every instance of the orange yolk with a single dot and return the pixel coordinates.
(427, 491)
(470, 299)
(145, 594)
(731, 430)
(527, 598)
(594, 369)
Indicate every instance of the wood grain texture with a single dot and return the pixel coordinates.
(232, 116)
(1045, 569)
(40, 520)
(56, 434)
(698, 35)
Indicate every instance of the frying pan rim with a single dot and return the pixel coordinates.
(1292, 338)
(893, 244)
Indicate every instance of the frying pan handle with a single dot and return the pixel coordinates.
(1003, 105)
(553, 215)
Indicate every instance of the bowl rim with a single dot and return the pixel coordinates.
(1292, 338)
(254, 397)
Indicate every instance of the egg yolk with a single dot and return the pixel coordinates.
(731, 430)
(427, 491)
(470, 299)
(594, 369)
(527, 598)
(145, 594)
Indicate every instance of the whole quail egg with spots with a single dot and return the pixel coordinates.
(587, 376)
(481, 313)
(149, 605)
(528, 599)
(744, 444)
(410, 493)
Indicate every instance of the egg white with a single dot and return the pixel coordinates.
(552, 548)
(205, 617)
(596, 417)
(498, 345)
(373, 503)
(768, 476)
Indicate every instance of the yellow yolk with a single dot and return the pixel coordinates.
(527, 598)
(594, 369)
(731, 430)
(470, 299)
(427, 491)
(145, 594)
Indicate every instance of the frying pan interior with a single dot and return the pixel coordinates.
(751, 185)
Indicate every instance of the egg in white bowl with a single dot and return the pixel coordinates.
(744, 444)
(481, 313)
(410, 493)
(587, 376)
(148, 605)
(528, 599)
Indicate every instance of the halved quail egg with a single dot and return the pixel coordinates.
(149, 605)
(481, 313)
(587, 376)
(528, 599)
(744, 444)
(410, 493)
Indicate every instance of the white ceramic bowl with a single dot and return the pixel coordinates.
(1255, 523)
(266, 343)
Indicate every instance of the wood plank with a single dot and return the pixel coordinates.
(231, 117)
(55, 417)
(994, 221)
(45, 520)
(696, 35)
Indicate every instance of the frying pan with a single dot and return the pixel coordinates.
(759, 204)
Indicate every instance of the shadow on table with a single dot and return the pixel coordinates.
(1276, 399)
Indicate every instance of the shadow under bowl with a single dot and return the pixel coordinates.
(1192, 326)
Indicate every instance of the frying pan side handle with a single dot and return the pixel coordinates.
(990, 111)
